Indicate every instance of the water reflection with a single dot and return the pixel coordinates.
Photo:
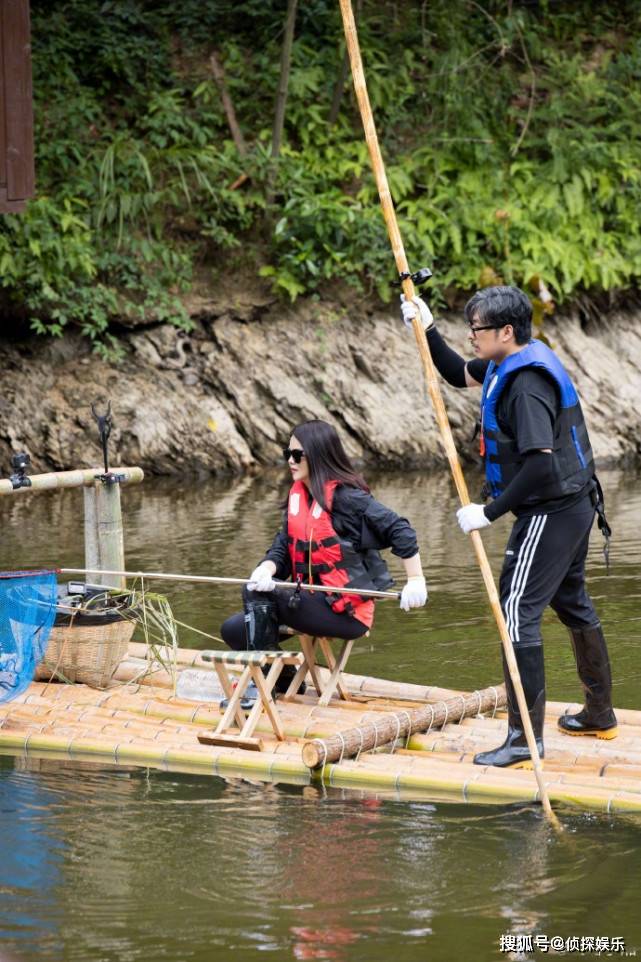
(173, 867)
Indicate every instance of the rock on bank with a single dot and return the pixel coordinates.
(223, 398)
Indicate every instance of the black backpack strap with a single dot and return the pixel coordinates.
(599, 506)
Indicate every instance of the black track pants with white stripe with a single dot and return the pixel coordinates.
(545, 565)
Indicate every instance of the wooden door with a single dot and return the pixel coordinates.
(17, 179)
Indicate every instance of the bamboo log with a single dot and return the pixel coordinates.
(64, 727)
(299, 722)
(625, 716)
(396, 725)
(116, 726)
(163, 718)
(80, 478)
(482, 786)
(143, 672)
(304, 721)
(92, 551)
(111, 546)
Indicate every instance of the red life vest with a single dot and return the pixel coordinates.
(318, 555)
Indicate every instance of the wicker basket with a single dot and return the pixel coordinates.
(88, 654)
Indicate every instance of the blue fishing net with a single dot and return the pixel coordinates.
(27, 612)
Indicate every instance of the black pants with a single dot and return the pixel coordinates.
(313, 616)
(545, 565)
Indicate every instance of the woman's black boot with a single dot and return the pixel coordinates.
(514, 752)
(262, 632)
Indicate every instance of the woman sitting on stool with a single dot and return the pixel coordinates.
(331, 535)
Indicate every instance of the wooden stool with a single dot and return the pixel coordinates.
(252, 661)
(336, 665)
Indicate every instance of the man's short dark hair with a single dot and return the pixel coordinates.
(499, 306)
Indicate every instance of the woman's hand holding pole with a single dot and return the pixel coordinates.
(414, 594)
(262, 577)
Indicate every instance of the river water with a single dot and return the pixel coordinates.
(103, 864)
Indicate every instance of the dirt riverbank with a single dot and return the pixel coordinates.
(223, 397)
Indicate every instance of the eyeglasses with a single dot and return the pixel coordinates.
(485, 327)
(296, 453)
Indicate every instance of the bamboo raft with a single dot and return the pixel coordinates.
(141, 723)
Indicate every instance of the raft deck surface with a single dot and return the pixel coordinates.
(144, 725)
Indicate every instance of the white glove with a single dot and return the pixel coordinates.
(414, 594)
(472, 517)
(408, 312)
(262, 578)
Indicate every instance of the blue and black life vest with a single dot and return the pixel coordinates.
(572, 452)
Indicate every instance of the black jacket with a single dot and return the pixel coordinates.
(360, 519)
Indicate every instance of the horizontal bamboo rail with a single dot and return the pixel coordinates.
(398, 725)
(80, 478)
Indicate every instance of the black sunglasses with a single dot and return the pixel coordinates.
(296, 453)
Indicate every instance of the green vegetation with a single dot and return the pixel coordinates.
(512, 133)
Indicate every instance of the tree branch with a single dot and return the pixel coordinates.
(219, 77)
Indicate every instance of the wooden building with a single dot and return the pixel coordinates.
(17, 179)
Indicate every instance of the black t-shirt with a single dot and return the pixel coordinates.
(527, 410)
(526, 413)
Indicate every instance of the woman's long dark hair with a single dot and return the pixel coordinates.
(326, 458)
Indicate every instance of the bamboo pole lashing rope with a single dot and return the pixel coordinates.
(385, 726)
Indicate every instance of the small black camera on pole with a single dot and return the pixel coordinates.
(105, 423)
(20, 463)
(418, 278)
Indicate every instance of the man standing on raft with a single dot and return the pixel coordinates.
(539, 465)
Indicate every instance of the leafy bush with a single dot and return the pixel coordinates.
(512, 137)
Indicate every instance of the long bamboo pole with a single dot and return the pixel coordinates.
(211, 580)
(389, 215)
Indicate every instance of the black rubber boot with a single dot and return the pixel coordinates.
(593, 665)
(262, 627)
(285, 679)
(262, 632)
(514, 752)
(248, 700)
